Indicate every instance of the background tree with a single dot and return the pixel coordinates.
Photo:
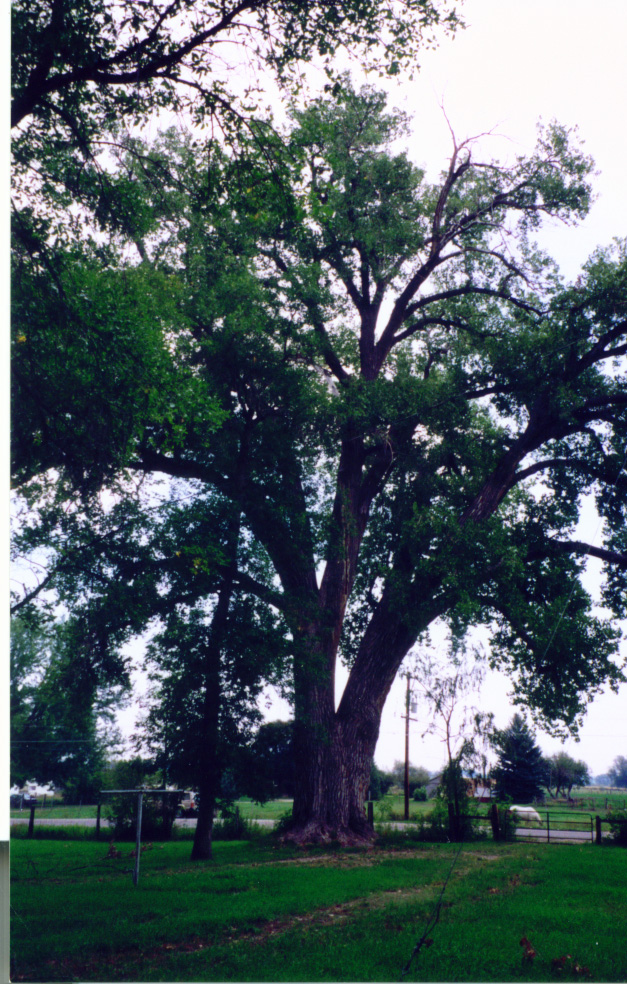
(444, 687)
(564, 772)
(380, 782)
(423, 402)
(267, 771)
(618, 771)
(168, 566)
(519, 771)
(418, 776)
(203, 702)
(62, 728)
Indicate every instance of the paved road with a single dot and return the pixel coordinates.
(91, 822)
(562, 836)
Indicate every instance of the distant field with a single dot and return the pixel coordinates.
(260, 912)
(271, 810)
(58, 811)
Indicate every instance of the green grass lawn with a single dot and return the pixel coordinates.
(249, 810)
(259, 912)
(271, 810)
(57, 812)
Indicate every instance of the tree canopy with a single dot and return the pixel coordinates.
(563, 772)
(85, 72)
(61, 709)
(111, 60)
(392, 387)
(618, 772)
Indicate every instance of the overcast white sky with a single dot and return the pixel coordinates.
(515, 63)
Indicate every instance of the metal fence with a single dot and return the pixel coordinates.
(556, 826)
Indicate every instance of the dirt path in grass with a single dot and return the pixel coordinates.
(126, 963)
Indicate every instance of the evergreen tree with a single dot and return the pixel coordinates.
(519, 772)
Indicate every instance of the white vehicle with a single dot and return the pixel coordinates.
(188, 804)
(526, 813)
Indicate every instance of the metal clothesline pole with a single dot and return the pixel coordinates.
(138, 821)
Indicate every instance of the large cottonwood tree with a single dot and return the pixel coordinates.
(422, 400)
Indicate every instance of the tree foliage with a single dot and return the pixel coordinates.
(393, 390)
(418, 776)
(618, 771)
(563, 772)
(83, 72)
(267, 771)
(61, 709)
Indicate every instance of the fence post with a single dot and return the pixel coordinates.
(598, 826)
(548, 827)
(138, 839)
(453, 823)
(98, 820)
(494, 820)
(31, 820)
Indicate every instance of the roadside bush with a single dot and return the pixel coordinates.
(430, 829)
(158, 812)
(507, 822)
(619, 827)
(232, 826)
(157, 817)
(420, 794)
(283, 823)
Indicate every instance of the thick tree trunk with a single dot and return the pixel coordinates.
(332, 770)
(209, 772)
(202, 846)
(333, 774)
(334, 750)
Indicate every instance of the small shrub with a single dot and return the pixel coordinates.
(232, 826)
(158, 815)
(384, 811)
(507, 823)
(420, 794)
(618, 828)
(283, 823)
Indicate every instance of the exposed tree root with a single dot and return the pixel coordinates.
(317, 832)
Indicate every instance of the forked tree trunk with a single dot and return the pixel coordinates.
(334, 749)
(330, 784)
(332, 778)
